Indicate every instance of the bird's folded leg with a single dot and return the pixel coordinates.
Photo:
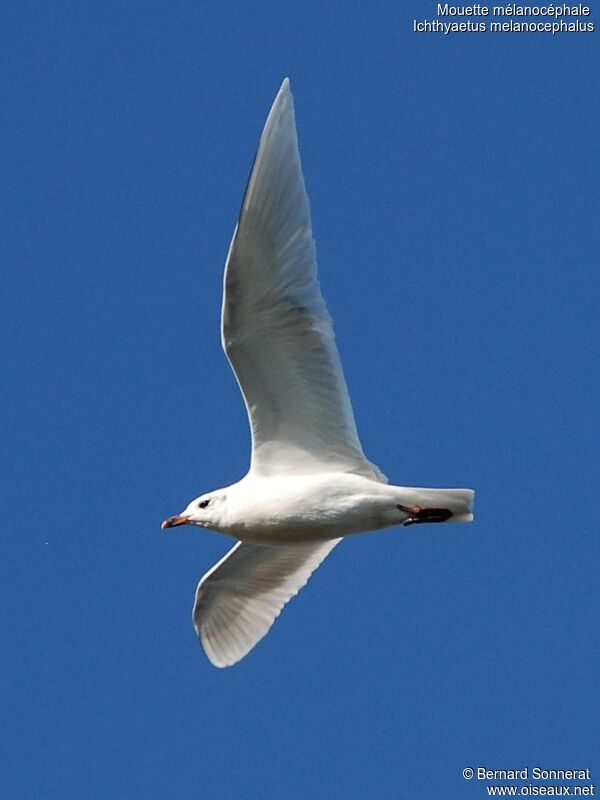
(419, 515)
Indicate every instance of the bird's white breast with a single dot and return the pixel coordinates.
(307, 507)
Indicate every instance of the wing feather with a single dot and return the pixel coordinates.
(238, 600)
(276, 330)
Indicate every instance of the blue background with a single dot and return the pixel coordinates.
(454, 189)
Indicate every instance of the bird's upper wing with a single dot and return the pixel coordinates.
(276, 330)
(238, 600)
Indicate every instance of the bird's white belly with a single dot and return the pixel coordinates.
(309, 508)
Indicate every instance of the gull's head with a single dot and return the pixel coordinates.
(206, 511)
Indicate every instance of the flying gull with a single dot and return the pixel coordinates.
(309, 482)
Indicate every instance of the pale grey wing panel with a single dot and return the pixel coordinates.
(238, 600)
(277, 332)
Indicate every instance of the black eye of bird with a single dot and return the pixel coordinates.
(203, 503)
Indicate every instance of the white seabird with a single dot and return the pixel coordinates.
(309, 482)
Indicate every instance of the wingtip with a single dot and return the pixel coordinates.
(283, 104)
(218, 660)
(285, 88)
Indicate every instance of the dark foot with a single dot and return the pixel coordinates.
(419, 515)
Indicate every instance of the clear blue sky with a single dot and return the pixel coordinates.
(454, 189)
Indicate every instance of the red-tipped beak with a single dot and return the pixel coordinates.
(172, 522)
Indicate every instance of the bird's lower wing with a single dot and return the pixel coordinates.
(238, 600)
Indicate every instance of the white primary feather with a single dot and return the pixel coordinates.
(238, 600)
(276, 330)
